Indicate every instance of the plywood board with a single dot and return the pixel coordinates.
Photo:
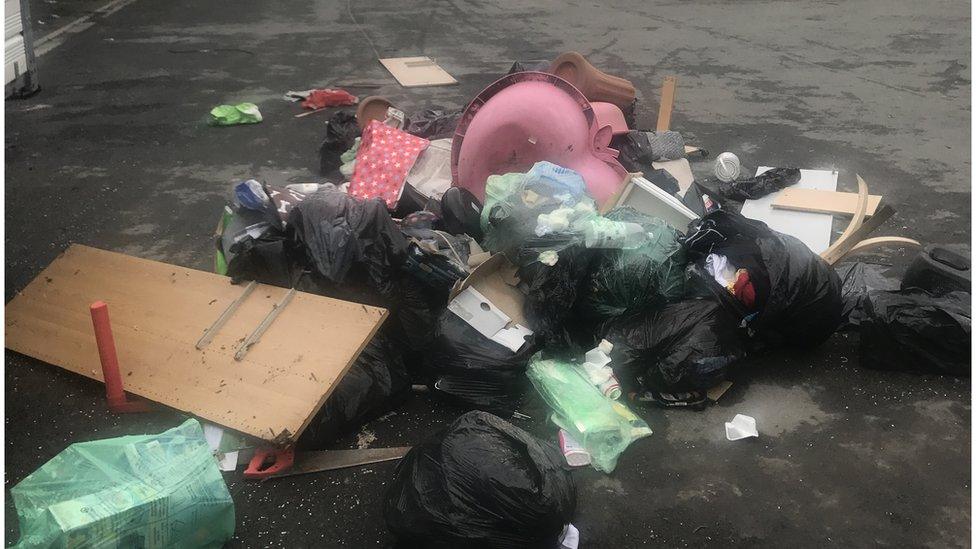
(159, 311)
(813, 229)
(412, 72)
(809, 200)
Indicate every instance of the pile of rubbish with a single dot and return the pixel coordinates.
(539, 243)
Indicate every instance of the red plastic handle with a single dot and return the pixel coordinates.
(269, 461)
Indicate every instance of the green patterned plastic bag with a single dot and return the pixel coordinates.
(603, 426)
(232, 115)
(150, 491)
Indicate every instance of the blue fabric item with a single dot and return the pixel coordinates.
(251, 195)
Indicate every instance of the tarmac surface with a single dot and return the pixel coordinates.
(114, 152)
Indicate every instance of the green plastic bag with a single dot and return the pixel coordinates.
(232, 115)
(603, 426)
(150, 491)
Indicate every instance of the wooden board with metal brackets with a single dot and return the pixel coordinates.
(158, 311)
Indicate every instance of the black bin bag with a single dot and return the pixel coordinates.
(916, 331)
(798, 296)
(474, 370)
(481, 482)
(375, 384)
(685, 346)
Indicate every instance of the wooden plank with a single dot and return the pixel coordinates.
(667, 103)
(846, 242)
(158, 311)
(832, 202)
(412, 72)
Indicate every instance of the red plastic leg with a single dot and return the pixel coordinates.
(268, 461)
(110, 363)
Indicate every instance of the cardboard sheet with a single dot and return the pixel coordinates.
(813, 229)
(159, 311)
(411, 72)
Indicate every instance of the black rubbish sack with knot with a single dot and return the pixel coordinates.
(481, 482)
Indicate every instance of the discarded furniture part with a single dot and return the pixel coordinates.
(646, 197)
(159, 312)
(527, 117)
(741, 426)
(831, 202)
(114, 393)
(813, 229)
(161, 490)
(255, 336)
(877, 242)
(222, 319)
(270, 463)
(594, 84)
(412, 72)
(373, 107)
(608, 114)
(667, 103)
(844, 242)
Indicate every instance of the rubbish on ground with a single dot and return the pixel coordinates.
(680, 169)
(432, 123)
(573, 451)
(341, 132)
(569, 539)
(489, 303)
(608, 114)
(461, 212)
(232, 115)
(797, 294)
(431, 173)
(412, 72)
(603, 426)
(595, 85)
(158, 351)
(339, 231)
(251, 195)
(348, 160)
(813, 229)
(692, 400)
(384, 158)
(716, 392)
(832, 202)
(600, 375)
(374, 107)
(484, 481)
(741, 426)
(114, 393)
(727, 167)
(689, 345)
(226, 460)
(328, 97)
(667, 103)
(914, 330)
(527, 117)
(639, 149)
(636, 279)
(160, 490)
(309, 188)
(940, 269)
(488, 320)
(765, 182)
(269, 463)
(645, 197)
(700, 200)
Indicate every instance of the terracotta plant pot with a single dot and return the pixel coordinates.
(372, 108)
(595, 85)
